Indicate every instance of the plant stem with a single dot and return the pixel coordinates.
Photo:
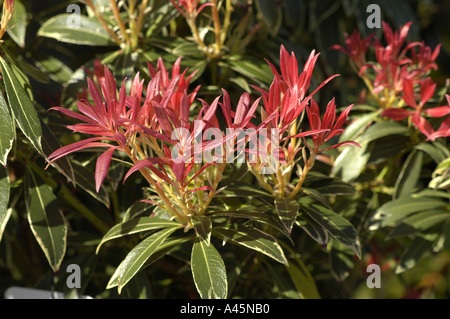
(122, 27)
(103, 22)
(308, 166)
(217, 28)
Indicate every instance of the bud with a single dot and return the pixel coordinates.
(7, 13)
(9, 5)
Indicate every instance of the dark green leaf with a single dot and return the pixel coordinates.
(318, 195)
(419, 222)
(252, 69)
(313, 229)
(254, 239)
(287, 212)
(351, 162)
(271, 14)
(7, 131)
(259, 217)
(419, 246)
(56, 69)
(137, 208)
(50, 144)
(4, 199)
(242, 189)
(432, 151)
(85, 179)
(134, 226)
(90, 31)
(137, 257)
(303, 280)
(358, 126)
(162, 250)
(392, 212)
(203, 227)
(409, 175)
(46, 220)
(341, 261)
(21, 106)
(18, 24)
(208, 270)
(381, 129)
(338, 227)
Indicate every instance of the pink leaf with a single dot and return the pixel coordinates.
(439, 111)
(65, 150)
(148, 162)
(341, 144)
(396, 114)
(102, 166)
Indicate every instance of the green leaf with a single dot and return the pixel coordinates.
(21, 106)
(318, 195)
(50, 144)
(137, 208)
(351, 162)
(254, 239)
(22, 72)
(392, 212)
(134, 226)
(18, 23)
(319, 184)
(162, 250)
(239, 189)
(208, 270)
(271, 14)
(287, 212)
(341, 261)
(90, 32)
(303, 280)
(46, 220)
(139, 255)
(85, 179)
(382, 129)
(4, 199)
(419, 246)
(203, 227)
(355, 129)
(338, 227)
(252, 69)
(432, 193)
(419, 222)
(56, 69)
(259, 217)
(409, 175)
(313, 229)
(432, 151)
(441, 175)
(7, 131)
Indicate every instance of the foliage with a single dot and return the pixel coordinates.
(100, 118)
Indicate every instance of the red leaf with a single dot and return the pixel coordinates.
(65, 150)
(396, 114)
(73, 114)
(341, 144)
(438, 111)
(148, 162)
(102, 166)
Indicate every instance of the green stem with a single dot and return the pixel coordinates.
(115, 206)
